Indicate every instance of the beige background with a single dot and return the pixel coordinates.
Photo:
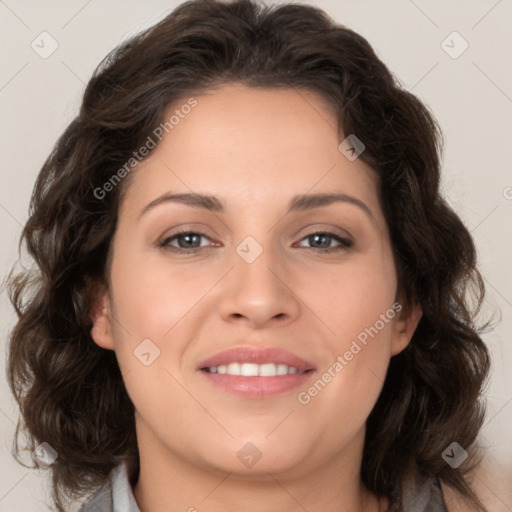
(470, 95)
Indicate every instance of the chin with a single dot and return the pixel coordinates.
(256, 457)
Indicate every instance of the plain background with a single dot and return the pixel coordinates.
(470, 95)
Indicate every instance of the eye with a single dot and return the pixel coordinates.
(190, 242)
(321, 241)
(187, 242)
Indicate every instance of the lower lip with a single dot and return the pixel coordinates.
(257, 387)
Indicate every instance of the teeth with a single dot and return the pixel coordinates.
(254, 370)
(246, 369)
(282, 369)
(233, 369)
(267, 370)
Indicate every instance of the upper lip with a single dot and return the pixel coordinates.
(258, 356)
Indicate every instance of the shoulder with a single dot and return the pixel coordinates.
(115, 494)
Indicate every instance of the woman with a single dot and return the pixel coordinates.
(250, 292)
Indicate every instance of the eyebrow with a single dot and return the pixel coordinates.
(298, 203)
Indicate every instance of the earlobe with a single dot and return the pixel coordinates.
(404, 327)
(101, 331)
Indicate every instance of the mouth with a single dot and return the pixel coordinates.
(256, 372)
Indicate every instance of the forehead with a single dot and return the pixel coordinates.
(252, 147)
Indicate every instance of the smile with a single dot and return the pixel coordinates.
(255, 370)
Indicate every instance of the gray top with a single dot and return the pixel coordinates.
(114, 496)
(117, 496)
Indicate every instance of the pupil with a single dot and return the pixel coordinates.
(316, 237)
(188, 237)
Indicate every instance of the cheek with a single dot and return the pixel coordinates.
(151, 297)
(353, 297)
(357, 303)
(350, 382)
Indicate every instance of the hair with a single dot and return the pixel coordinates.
(71, 392)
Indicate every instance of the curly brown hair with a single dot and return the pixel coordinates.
(71, 392)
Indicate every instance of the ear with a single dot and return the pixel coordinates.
(100, 315)
(408, 318)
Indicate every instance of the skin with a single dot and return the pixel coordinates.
(254, 149)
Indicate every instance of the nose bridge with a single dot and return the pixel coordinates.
(254, 261)
(257, 289)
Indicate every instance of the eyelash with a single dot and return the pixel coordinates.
(344, 243)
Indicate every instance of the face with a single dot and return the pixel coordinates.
(298, 296)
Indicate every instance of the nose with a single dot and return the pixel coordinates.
(259, 293)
